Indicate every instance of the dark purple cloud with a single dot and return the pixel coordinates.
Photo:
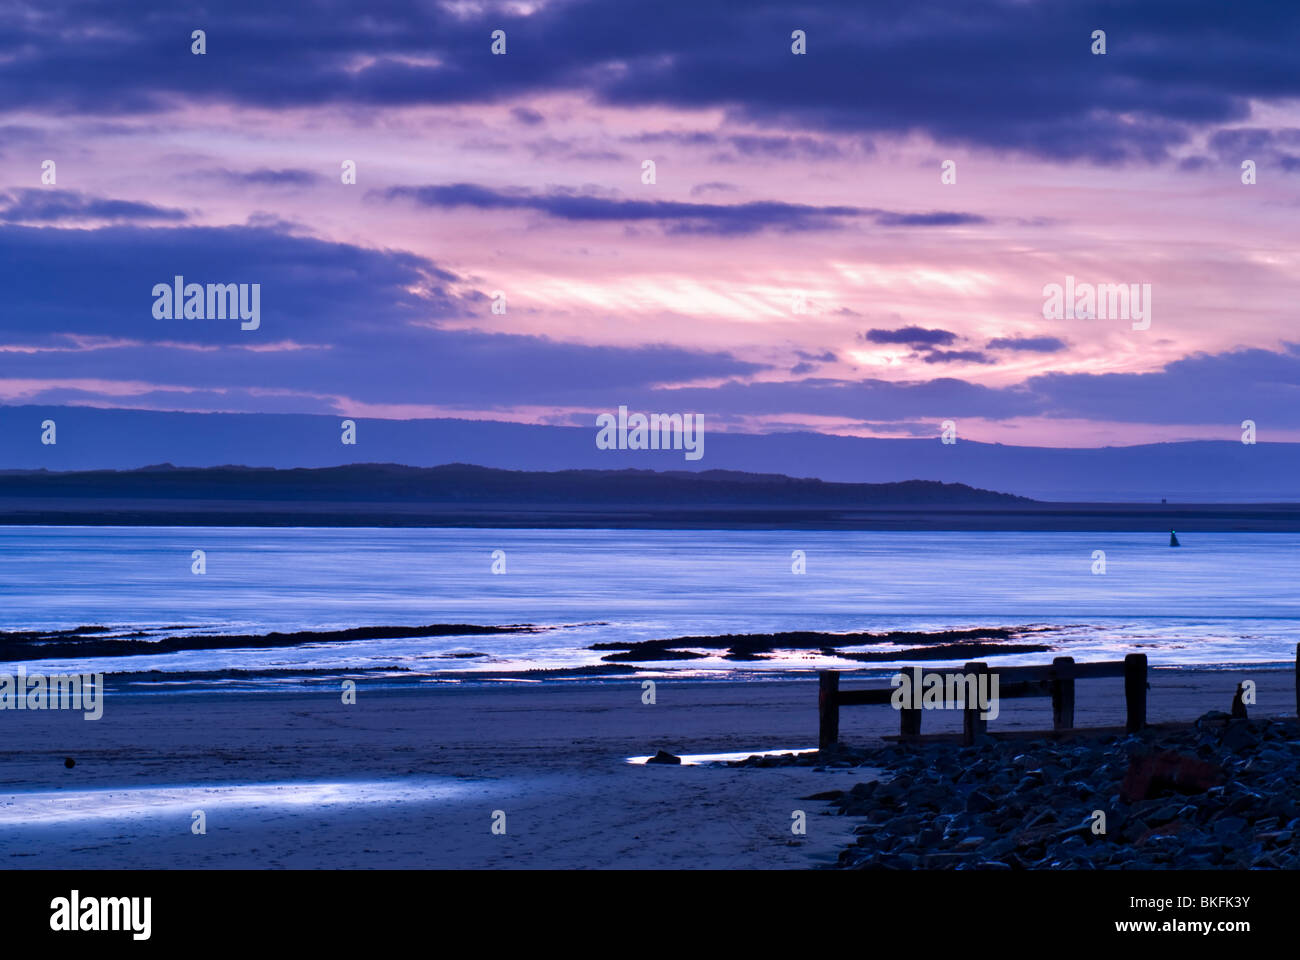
(266, 177)
(937, 219)
(957, 356)
(1003, 75)
(737, 147)
(1253, 384)
(915, 337)
(528, 116)
(49, 205)
(808, 362)
(863, 400)
(1223, 388)
(785, 148)
(826, 356)
(1028, 344)
(1278, 149)
(676, 216)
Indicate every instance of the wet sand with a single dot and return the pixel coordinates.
(412, 777)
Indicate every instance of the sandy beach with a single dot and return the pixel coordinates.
(411, 778)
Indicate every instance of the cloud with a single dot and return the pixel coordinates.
(1223, 388)
(527, 116)
(12, 134)
(676, 216)
(937, 219)
(1029, 344)
(927, 343)
(342, 321)
(808, 362)
(785, 148)
(713, 186)
(775, 147)
(266, 177)
(915, 337)
(1226, 388)
(571, 149)
(1006, 75)
(678, 138)
(337, 320)
(957, 356)
(874, 399)
(1278, 148)
(31, 205)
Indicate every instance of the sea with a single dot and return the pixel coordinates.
(1220, 599)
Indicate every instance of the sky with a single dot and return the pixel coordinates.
(798, 261)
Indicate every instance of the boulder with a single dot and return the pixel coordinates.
(1159, 774)
(1239, 737)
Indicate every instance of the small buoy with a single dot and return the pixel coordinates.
(1173, 539)
(69, 762)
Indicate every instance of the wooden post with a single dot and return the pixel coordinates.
(1063, 693)
(972, 723)
(828, 708)
(1135, 690)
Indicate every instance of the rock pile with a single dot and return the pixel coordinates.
(1222, 793)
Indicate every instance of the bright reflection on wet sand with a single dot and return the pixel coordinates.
(56, 806)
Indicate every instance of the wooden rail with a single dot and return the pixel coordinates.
(1056, 681)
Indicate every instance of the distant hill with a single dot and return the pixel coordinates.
(453, 495)
(459, 483)
(1224, 471)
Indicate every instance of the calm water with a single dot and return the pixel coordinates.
(1221, 598)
